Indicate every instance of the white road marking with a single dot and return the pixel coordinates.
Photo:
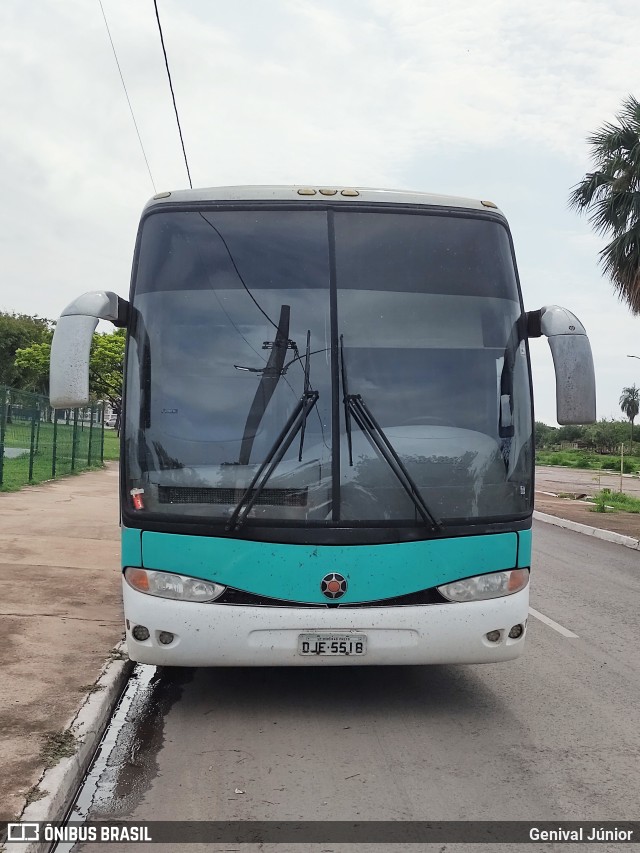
(559, 628)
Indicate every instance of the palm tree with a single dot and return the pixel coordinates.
(611, 195)
(630, 404)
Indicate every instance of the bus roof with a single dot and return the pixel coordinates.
(304, 192)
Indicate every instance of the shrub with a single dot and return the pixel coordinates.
(583, 460)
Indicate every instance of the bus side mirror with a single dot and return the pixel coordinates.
(71, 345)
(572, 360)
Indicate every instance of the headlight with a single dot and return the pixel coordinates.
(168, 585)
(482, 587)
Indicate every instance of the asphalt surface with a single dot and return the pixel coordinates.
(553, 478)
(551, 736)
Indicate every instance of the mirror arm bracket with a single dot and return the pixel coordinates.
(102, 304)
(533, 323)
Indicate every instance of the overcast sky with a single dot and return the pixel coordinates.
(489, 99)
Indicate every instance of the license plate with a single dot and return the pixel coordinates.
(332, 644)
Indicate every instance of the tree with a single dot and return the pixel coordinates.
(105, 366)
(16, 332)
(571, 432)
(611, 195)
(605, 436)
(544, 435)
(33, 364)
(630, 404)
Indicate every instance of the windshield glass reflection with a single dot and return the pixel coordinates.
(226, 304)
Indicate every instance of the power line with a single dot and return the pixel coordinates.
(135, 124)
(235, 266)
(175, 107)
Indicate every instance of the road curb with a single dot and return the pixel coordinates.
(607, 535)
(88, 725)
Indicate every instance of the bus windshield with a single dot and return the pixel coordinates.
(240, 314)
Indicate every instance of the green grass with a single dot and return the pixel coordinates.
(618, 500)
(589, 461)
(111, 445)
(15, 472)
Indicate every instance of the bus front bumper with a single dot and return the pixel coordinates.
(229, 635)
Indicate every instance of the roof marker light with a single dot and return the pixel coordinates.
(350, 192)
(326, 191)
(489, 204)
(306, 191)
(162, 195)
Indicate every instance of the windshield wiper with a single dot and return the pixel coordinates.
(345, 400)
(306, 389)
(356, 407)
(294, 424)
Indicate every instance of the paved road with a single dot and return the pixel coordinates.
(552, 478)
(552, 736)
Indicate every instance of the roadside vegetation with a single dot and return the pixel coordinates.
(607, 501)
(588, 461)
(596, 447)
(29, 453)
(58, 745)
(16, 469)
(593, 447)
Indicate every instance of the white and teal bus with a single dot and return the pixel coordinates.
(327, 450)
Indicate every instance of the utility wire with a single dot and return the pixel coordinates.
(175, 107)
(235, 266)
(135, 124)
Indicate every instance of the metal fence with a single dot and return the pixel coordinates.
(39, 443)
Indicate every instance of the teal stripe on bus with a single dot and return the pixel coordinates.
(131, 547)
(524, 549)
(294, 572)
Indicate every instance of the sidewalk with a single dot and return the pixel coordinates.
(60, 613)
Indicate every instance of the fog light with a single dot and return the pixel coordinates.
(516, 631)
(493, 636)
(165, 637)
(140, 632)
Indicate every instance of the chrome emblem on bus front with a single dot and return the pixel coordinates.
(333, 585)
